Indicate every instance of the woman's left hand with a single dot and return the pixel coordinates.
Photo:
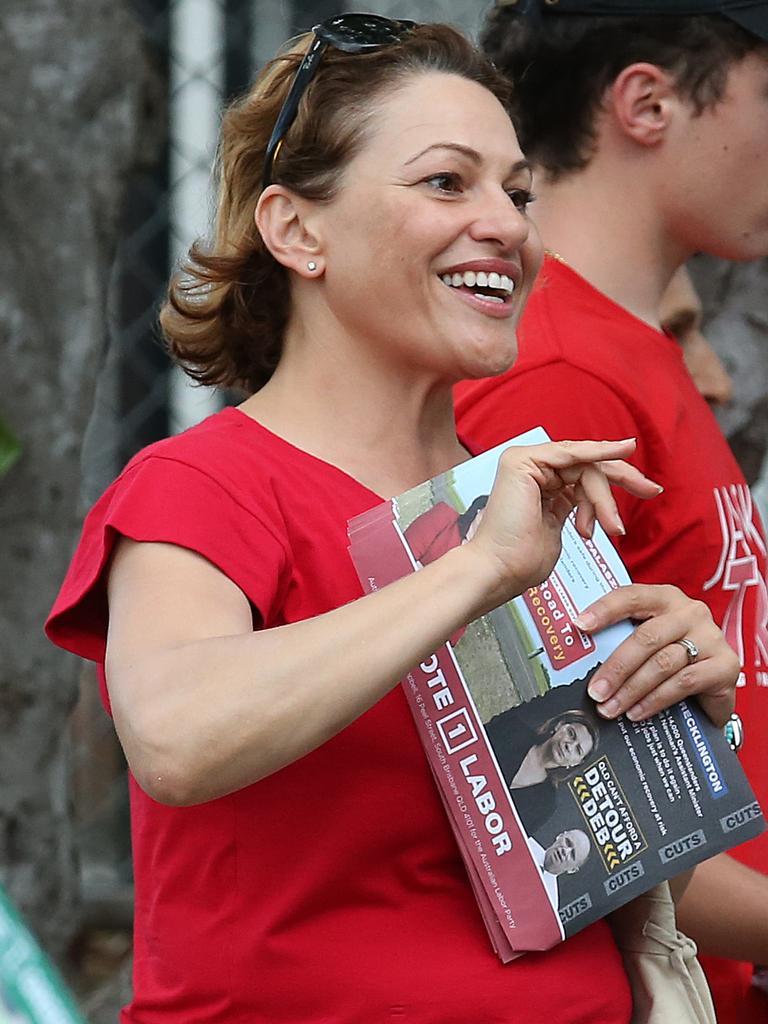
(651, 669)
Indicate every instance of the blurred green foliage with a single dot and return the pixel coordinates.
(10, 448)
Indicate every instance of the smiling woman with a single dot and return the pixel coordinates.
(561, 744)
(293, 862)
(535, 756)
(227, 313)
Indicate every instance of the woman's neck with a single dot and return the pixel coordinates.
(389, 430)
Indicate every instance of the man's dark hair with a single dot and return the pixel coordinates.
(560, 68)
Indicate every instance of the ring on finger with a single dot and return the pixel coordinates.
(691, 650)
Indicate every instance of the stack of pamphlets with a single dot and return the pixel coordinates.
(561, 816)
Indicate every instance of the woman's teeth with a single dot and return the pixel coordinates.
(479, 279)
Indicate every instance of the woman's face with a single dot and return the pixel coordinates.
(570, 744)
(429, 252)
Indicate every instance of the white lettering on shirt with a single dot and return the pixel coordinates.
(738, 569)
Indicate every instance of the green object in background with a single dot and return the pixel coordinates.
(31, 991)
(10, 450)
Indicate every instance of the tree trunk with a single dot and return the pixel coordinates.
(69, 117)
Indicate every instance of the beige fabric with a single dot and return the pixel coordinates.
(668, 984)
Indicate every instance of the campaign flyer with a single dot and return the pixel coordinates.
(560, 815)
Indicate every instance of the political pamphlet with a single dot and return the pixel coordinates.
(561, 816)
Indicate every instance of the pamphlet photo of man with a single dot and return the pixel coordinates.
(564, 856)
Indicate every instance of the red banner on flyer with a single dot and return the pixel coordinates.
(552, 609)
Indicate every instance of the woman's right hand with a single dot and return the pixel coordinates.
(536, 488)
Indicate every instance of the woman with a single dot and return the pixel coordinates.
(293, 862)
(441, 528)
(534, 756)
(560, 744)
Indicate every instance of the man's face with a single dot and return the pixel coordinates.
(680, 314)
(567, 853)
(717, 185)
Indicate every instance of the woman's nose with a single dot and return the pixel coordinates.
(499, 220)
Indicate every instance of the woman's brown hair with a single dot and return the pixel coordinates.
(228, 306)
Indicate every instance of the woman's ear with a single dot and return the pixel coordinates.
(286, 225)
(642, 99)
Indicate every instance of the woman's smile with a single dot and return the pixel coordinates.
(487, 284)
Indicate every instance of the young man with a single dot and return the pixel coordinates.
(647, 123)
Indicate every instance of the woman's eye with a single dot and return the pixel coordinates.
(445, 182)
(521, 198)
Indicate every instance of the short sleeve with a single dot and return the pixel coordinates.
(162, 499)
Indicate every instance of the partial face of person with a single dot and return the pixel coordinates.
(472, 530)
(720, 187)
(570, 744)
(567, 853)
(681, 317)
(430, 253)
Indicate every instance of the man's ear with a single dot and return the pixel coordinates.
(287, 226)
(641, 100)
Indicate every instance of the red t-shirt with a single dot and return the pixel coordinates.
(589, 369)
(333, 890)
(433, 533)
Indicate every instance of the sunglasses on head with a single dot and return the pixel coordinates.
(350, 33)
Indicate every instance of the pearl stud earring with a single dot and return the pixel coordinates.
(311, 266)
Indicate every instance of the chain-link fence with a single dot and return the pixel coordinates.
(202, 53)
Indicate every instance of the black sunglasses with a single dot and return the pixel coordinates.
(351, 33)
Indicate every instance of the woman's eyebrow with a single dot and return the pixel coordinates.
(469, 152)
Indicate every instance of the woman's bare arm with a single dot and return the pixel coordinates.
(204, 705)
(725, 910)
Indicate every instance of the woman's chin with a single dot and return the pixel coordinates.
(489, 360)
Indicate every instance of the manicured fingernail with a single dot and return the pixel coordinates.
(659, 489)
(626, 440)
(635, 714)
(622, 529)
(599, 689)
(585, 620)
(610, 709)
